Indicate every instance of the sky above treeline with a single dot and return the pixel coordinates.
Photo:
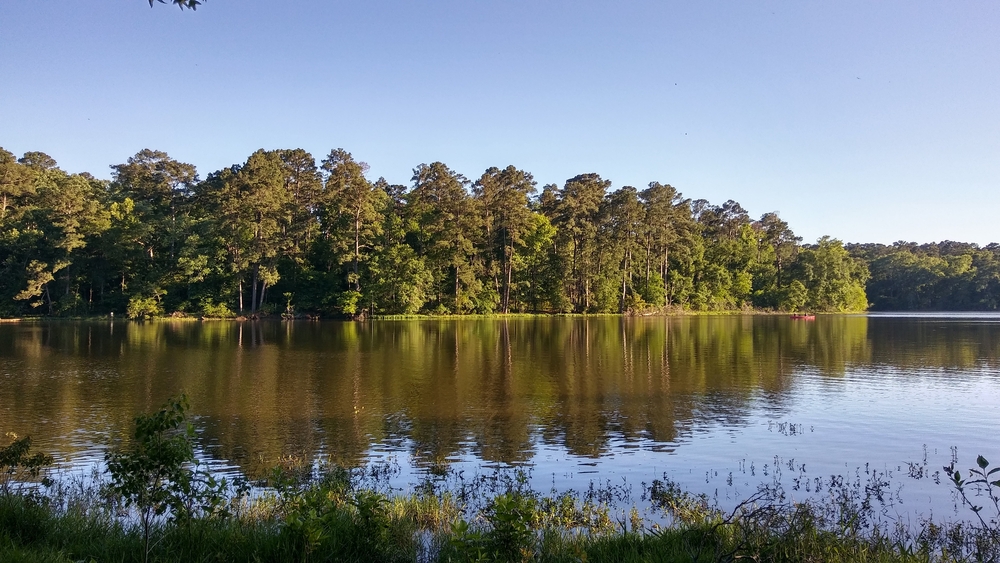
(865, 121)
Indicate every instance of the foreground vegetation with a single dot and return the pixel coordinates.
(157, 505)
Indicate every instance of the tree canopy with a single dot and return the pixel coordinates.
(284, 234)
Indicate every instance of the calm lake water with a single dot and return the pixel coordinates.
(714, 402)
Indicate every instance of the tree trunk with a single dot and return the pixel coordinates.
(621, 306)
(253, 294)
(577, 282)
(506, 293)
(357, 251)
(663, 274)
(456, 311)
(649, 251)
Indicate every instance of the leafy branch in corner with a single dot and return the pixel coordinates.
(984, 481)
(192, 4)
(18, 465)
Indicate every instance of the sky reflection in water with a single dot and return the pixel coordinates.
(574, 399)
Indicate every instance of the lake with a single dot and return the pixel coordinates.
(717, 403)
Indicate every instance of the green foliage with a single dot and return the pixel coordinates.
(331, 516)
(18, 465)
(795, 297)
(511, 537)
(833, 278)
(151, 475)
(216, 311)
(157, 238)
(654, 291)
(984, 483)
(938, 276)
(348, 302)
(502, 196)
(144, 307)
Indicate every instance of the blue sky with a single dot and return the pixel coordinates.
(866, 121)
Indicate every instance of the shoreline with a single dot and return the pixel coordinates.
(423, 317)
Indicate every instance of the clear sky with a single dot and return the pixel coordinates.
(867, 121)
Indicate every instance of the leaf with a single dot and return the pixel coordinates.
(981, 461)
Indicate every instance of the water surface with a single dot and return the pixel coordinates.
(707, 400)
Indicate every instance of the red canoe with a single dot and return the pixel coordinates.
(804, 317)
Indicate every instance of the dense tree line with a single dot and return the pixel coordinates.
(945, 276)
(282, 233)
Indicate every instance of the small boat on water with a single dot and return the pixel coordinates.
(804, 317)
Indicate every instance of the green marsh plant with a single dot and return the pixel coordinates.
(156, 477)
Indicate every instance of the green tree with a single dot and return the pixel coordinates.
(447, 227)
(731, 252)
(52, 232)
(668, 224)
(351, 213)
(835, 281)
(150, 198)
(257, 221)
(152, 474)
(15, 183)
(775, 232)
(38, 161)
(574, 211)
(622, 230)
(401, 282)
(503, 196)
(777, 247)
(541, 287)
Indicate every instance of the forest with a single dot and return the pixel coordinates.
(283, 234)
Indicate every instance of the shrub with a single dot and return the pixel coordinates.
(144, 307)
(151, 475)
(220, 311)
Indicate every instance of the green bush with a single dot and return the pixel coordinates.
(144, 308)
(152, 474)
(216, 311)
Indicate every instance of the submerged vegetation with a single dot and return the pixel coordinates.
(279, 234)
(159, 505)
